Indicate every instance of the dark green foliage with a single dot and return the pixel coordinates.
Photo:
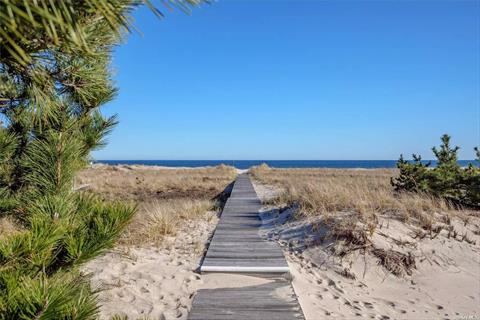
(54, 77)
(62, 296)
(413, 175)
(448, 180)
(444, 179)
(97, 229)
(28, 27)
(62, 233)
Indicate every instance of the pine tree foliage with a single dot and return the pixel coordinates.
(412, 174)
(63, 296)
(28, 27)
(54, 78)
(448, 180)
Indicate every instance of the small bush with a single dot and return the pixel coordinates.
(447, 180)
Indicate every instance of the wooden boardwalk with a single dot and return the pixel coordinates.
(237, 247)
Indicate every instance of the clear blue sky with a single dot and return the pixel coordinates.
(298, 80)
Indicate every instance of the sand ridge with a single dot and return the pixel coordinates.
(445, 283)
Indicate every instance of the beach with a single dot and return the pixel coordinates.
(354, 248)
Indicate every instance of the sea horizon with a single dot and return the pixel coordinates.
(245, 164)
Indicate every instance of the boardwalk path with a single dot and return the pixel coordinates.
(237, 247)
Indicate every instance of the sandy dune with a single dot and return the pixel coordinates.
(444, 285)
(160, 282)
(154, 282)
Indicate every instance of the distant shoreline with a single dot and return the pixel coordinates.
(245, 164)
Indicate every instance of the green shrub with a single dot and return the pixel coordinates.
(413, 175)
(447, 180)
(55, 76)
(39, 267)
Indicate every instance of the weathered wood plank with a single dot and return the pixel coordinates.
(237, 246)
(254, 302)
(238, 226)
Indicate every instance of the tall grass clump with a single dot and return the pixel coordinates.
(54, 77)
(166, 218)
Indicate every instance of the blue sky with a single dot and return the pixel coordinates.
(298, 80)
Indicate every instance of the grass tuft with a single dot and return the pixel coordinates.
(396, 262)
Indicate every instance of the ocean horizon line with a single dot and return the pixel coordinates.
(245, 164)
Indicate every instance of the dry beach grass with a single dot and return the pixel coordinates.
(355, 247)
(366, 193)
(146, 183)
(358, 249)
(166, 197)
(151, 271)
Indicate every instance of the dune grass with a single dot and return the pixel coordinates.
(350, 208)
(354, 206)
(166, 198)
(146, 183)
(365, 193)
(166, 217)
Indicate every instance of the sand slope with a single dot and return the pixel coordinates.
(444, 285)
(154, 282)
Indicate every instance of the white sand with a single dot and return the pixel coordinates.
(154, 282)
(129, 167)
(445, 283)
(161, 282)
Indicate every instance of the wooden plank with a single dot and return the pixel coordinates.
(254, 302)
(237, 247)
(239, 225)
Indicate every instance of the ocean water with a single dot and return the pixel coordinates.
(245, 164)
